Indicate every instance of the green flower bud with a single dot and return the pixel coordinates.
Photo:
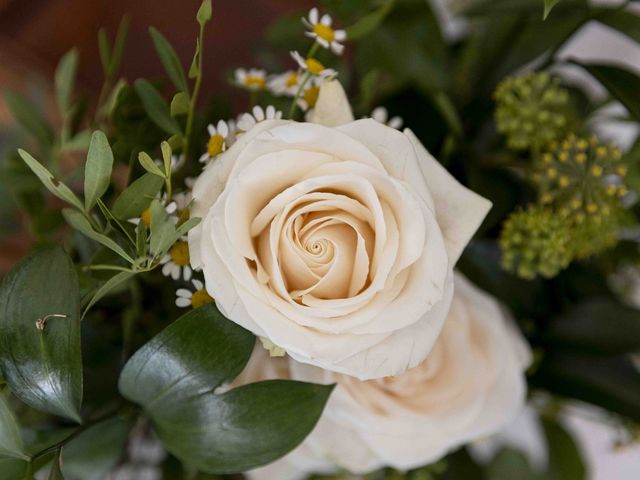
(531, 110)
(535, 241)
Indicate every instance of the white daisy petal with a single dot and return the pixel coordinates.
(183, 302)
(187, 273)
(175, 271)
(166, 269)
(326, 20)
(184, 293)
(313, 15)
(197, 284)
(211, 129)
(340, 35)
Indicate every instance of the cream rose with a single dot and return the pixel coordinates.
(336, 243)
(471, 385)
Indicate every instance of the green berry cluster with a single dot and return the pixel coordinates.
(531, 110)
(535, 241)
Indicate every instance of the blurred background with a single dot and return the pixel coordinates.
(34, 34)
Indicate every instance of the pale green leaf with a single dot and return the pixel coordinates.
(163, 231)
(204, 13)
(55, 186)
(65, 80)
(97, 171)
(169, 59)
(149, 165)
(106, 287)
(28, 117)
(156, 107)
(137, 197)
(179, 104)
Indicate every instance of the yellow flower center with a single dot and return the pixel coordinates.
(215, 145)
(256, 81)
(311, 96)
(324, 32)
(180, 253)
(292, 80)
(200, 298)
(314, 66)
(145, 216)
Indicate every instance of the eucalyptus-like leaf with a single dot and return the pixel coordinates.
(28, 117)
(179, 104)
(548, 6)
(55, 186)
(119, 44)
(204, 13)
(174, 378)
(194, 69)
(156, 107)
(106, 287)
(10, 440)
(166, 157)
(94, 453)
(137, 197)
(163, 230)
(149, 165)
(79, 142)
(104, 50)
(65, 80)
(622, 84)
(97, 171)
(169, 59)
(40, 355)
(79, 222)
(141, 239)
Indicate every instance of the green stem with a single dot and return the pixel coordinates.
(110, 267)
(312, 51)
(194, 95)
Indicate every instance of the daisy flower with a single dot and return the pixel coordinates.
(195, 297)
(321, 31)
(252, 79)
(176, 264)
(145, 216)
(310, 94)
(381, 114)
(182, 201)
(312, 66)
(217, 141)
(286, 83)
(248, 120)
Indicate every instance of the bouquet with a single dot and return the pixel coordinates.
(308, 289)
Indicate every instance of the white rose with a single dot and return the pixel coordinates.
(335, 243)
(471, 385)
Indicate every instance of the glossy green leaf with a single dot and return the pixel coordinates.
(97, 171)
(624, 21)
(10, 440)
(56, 473)
(179, 104)
(204, 13)
(65, 80)
(149, 165)
(174, 378)
(622, 84)
(78, 221)
(52, 184)
(106, 287)
(93, 453)
(599, 326)
(511, 464)
(156, 107)
(137, 197)
(565, 458)
(43, 367)
(28, 117)
(169, 59)
(548, 6)
(11, 469)
(370, 22)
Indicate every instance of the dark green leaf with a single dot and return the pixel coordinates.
(370, 22)
(26, 115)
(93, 453)
(548, 6)
(10, 440)
(56, 187)
(65, 79)
(106, 287)
(11, 469)
(137, 197)
(624, 21)
(597, 326)
(174, 377)
(511, 464)
(622, 84)
(42, 367)
(169, 59)
(55, 473)
(78, 221)
(565, 459)
(156, 107)
(204, 13)
(179, 104)
(97, 171)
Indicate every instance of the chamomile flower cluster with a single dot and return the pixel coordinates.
(532, 110)
(253, 79)
(221, 136)
(194, 297)
(582, 177)
(535, 241)
(322, 31)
